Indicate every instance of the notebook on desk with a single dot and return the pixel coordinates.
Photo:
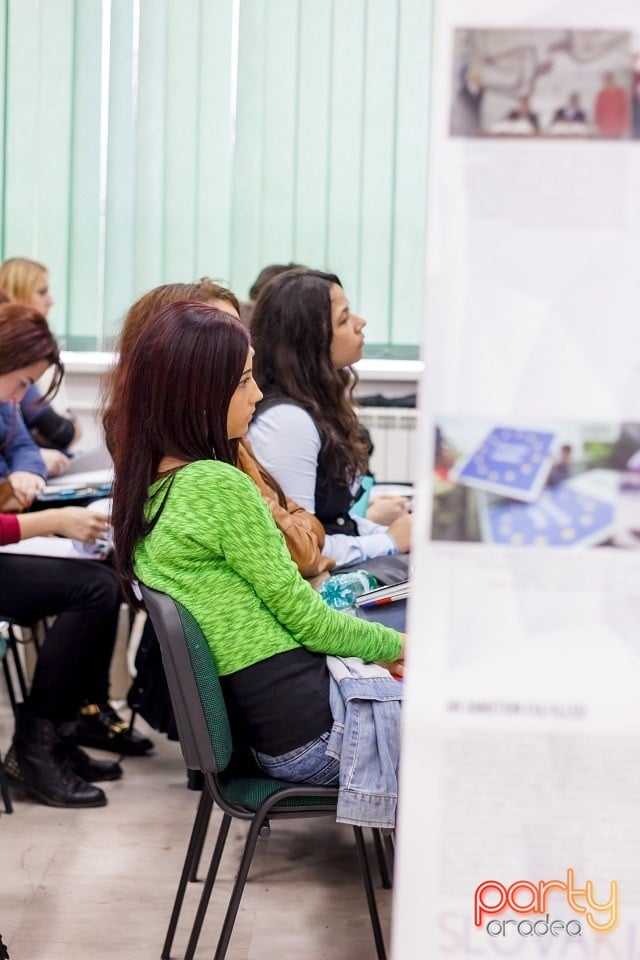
(382, 595)
(79, 486)
(389, 614)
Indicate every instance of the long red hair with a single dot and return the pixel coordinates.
(174, 399)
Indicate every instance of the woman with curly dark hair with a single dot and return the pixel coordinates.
(306, 430)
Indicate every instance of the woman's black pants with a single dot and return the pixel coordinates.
(73, 664)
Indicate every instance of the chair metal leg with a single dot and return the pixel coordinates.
(371, 899)
(196, 842)
(205, 896)
(4, 790)
(17, 663)
(389, 840)
(197, 852)
(384, 863)
(9, 685)
(254, 833)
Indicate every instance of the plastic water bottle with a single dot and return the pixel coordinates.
(340, 592)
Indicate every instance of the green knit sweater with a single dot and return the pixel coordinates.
(217, 550)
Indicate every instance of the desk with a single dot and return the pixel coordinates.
(390, 614)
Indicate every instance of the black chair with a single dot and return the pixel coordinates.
(4, 786)
(241, 793)
(15, 674)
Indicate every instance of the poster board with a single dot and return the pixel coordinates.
(522, 714)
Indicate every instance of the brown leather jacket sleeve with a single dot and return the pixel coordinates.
(302, 530)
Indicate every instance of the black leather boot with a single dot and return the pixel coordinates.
(100, 727)
(85, 766)
(38, 763)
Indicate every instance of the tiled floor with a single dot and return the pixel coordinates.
(99, 884)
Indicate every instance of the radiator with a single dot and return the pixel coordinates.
(393, 432)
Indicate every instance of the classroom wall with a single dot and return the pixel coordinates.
(145, 141)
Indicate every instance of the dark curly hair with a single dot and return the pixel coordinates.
(291, 332)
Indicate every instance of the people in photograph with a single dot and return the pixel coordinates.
(635, 96)
(572, 112)
(523, 113)
(444, 456)
(466, 114)
(187, 522)
(562, 469)
(611, 108)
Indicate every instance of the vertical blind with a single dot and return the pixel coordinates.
(148, 141)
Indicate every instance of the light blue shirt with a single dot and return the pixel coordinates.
(287, 443)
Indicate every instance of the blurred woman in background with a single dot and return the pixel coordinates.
(27, 281)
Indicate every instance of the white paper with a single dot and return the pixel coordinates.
(58, 547)
(522, 716)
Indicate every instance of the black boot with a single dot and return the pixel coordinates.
(86, 767)
(38, 763)
(100, 727)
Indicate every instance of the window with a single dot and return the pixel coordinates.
(153, 140)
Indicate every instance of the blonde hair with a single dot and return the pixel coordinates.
(20, 276)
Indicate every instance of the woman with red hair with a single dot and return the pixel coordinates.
(73, 664)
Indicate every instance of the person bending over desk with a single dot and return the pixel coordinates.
(27, 281)
(44, 759)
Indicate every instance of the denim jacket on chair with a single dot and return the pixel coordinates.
(365, 737)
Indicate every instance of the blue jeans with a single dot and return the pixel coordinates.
(306, 764)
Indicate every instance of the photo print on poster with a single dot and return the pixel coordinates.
(548, 83)
(542, 485)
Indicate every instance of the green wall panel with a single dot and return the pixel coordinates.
(248, 193)
(21, 135)
(379, 96)
(181, 91)
(86, 227)
(49, 242)
(314, 125)
(278, 132)
(215, 142)
(344, 225)
(410, 173)
(146, 141)
(149, 148)
(119, 260)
